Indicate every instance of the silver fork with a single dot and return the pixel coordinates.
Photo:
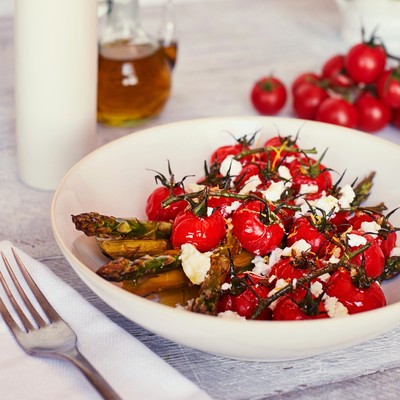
(52, 338)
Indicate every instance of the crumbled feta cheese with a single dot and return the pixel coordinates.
(260, 266)
(347, 195)
(334, 307)
(209, 211)
(193, 187)
(280, 284)
(195, 264)
(297, 248)
(226, 286)
(263, 265)
(333, 259)
(316, 288)
(230, 166)
(371, 227)
(324, 277)
(327, 204)
(274, 191)
(229, 314)
(229, 209)
(284, 173)
(355, 240)
(251, 184)
(395, 252)
(306, 189)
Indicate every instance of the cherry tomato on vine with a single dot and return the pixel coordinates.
(307, 99)
(372, 257)
(335, 72)
(365, 62)
(296, 306)
(388, 87)
(356, 300)
(268, 95)
(337, 111)
(257, 228)
(305, 77)
(373, 113)
(246, 302)
(319, 241)
(154, 209)
(205, 233)
(396, 118)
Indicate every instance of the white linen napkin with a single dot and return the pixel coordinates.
(129, 366)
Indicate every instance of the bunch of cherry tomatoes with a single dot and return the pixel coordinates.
(360, 89)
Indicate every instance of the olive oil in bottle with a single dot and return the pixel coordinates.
(134, 73)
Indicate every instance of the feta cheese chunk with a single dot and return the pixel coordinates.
(251, 185)
(297, 247)
(195, 264)
(355, 240)
(231, 166)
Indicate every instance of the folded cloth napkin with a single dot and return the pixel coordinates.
(130, 367)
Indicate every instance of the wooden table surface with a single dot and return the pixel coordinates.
(224, 46)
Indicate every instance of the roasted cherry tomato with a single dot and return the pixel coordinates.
(268, 95)
(299, 306)
(320, 242)
(247, 300)
(307, 171)
(257, 228)
(154, 209)
(205, 233)
(356, 300)
(372, 258)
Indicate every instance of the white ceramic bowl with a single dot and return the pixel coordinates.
(115, 180)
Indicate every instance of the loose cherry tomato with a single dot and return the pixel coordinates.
(268, 95)
(205, 233)
(335, 72)
(257, 228)
(246, 302)
(373, 114)
(388, 87)
(356, 300)
(365, 62)
(337, 111)
(309, 77)
(307, 99)
(154, 209)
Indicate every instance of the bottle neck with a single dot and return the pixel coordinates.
(123, 23)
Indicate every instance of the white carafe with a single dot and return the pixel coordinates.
(55, 87)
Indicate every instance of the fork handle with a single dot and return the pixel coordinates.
(92, 375)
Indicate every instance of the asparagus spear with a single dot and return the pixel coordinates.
(133, 248)
(363, 189)
(95, 224)
(210, 290)
(121, 269)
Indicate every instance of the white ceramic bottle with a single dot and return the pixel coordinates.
(55, 87)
